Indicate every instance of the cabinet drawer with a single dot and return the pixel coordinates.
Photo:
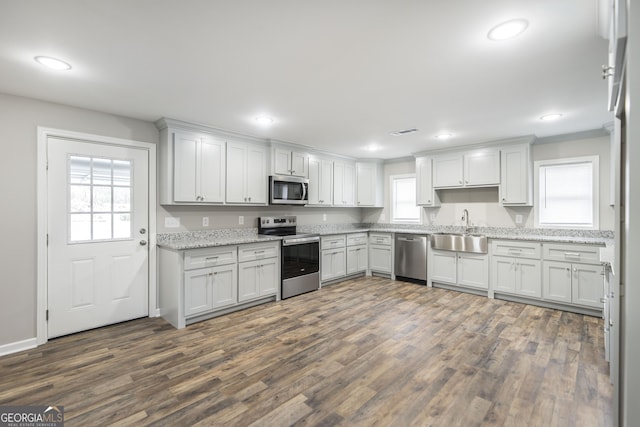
(516, 248)
(571, 253)
(330, 242)
(256, 251)
(210, 257)
(356, 239)
(380, 239)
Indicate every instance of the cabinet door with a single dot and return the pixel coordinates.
(528, 281)
(587, 285)
(333, 264)
(198, 292)
(380, 258)
(315, 178)
(443, 266)
(299, 164)
(515, 176)
(248, 284)
(185, 167)
(365, 183)
(212, 171)
(338, 184)
(256, 177)
(225, 285)
(482, 168)
(349, 185)
(556, 281)
(503, 274)
(473, 270)
(425, 196)
(281, 162)
(356, 259)
(269, 277)
(236, 172)
(447, 171)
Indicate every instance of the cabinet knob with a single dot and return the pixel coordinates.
(504, 199)
(428, 201)
(460, 181)
(466, 182)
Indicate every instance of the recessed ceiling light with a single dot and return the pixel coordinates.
(373, 147)
(53, 63)
(443, 135)
(508, 29)
(264, 120)
(551, 117)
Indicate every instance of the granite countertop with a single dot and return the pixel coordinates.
(208, 239)
(222, 237)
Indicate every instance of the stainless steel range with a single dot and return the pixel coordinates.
(300, 257)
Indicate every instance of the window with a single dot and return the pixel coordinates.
(567, 192)
(99, 199)
(403, 199)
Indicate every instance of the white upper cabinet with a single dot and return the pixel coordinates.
(344, 183)
(247, 176)
(516, 183)
(425, 196)
(447, 170)
(472, 168)
(320, 181)
(369, 185)
(192, 168)
(287, 162)
(482, 167)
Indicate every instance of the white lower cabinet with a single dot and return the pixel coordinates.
(579, 284)
(257, 279)
(572, 274)
(519, 276)
(199, 283)
(380, 253)
(333, 264)
(357, 259)
(459, 268)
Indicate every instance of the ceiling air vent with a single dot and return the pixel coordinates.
(403, 132)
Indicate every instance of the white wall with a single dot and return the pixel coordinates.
(483, 204)
(18, 139)
(227, 216)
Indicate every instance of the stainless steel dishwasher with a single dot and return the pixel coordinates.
(411, 257)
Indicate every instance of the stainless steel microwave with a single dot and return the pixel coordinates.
(288, 190)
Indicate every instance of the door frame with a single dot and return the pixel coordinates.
(44, 133)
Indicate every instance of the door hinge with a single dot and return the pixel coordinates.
(47, 239)
(46, 315)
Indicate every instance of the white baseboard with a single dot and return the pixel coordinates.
(17, 346)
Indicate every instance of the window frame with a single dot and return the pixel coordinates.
(595, 177)
(392, 203)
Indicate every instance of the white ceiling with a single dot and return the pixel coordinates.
(336, 75)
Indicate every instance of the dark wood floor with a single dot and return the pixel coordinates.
(366, 352)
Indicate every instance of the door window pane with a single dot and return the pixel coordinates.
(99, 206)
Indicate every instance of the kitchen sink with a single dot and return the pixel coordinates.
(460, 242)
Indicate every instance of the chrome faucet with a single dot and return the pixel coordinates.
(465, 218)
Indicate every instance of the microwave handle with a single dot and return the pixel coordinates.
(304, 191)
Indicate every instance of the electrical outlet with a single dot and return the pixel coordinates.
(172, 222)
(241, 220)
(382, 217)
(518, 219)
(324, 217)
(205, 221)
(432, 217)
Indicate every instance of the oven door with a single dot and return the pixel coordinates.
(300, 259)
(288, 190)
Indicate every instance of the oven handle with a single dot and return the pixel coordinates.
(300, 241)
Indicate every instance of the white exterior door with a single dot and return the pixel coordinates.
(97, 225)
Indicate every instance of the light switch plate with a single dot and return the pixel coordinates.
(205, 221)
(172, 222)
(241, 219)
(518, 219)
(324, 217)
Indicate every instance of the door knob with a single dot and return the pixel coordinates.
(143, 243)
